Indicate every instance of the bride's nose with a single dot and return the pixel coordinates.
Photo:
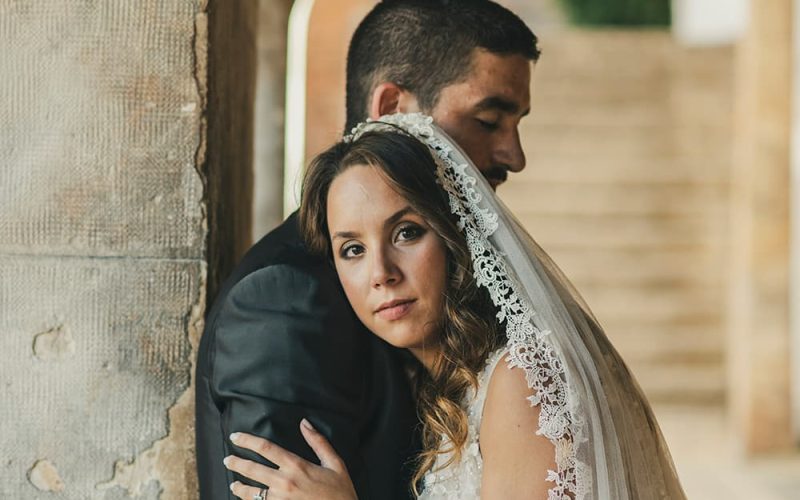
(384, 271)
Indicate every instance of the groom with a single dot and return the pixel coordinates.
(281, 342)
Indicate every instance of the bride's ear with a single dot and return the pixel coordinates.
(388, 98)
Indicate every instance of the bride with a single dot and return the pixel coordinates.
(520, 394)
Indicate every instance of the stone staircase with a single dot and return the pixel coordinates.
(628, 147)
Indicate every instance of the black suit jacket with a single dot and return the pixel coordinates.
(281, 343)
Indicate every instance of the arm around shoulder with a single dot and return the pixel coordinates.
(285, 348)
(515, 459)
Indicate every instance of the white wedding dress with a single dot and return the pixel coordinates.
(462, 480)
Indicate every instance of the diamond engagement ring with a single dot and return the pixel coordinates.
(261, 495)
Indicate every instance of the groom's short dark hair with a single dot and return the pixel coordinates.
(426, 45)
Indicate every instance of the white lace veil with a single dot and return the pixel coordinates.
(607, 441)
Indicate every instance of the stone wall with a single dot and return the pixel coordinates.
(117, 151)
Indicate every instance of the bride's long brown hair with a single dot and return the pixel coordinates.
(469, 328)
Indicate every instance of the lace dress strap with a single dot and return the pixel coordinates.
(492, 361)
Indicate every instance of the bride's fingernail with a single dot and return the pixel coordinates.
(235, 436)
(305, 423)
(233, 485)
(226, 460)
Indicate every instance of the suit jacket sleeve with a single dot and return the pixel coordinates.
(287, 346)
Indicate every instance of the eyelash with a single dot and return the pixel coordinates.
(416, 232)
(345, 250)
(414, 229)
(490, 126)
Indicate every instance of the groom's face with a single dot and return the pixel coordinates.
(482, 112)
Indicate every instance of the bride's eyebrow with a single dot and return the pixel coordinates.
(344, 235)
(391, 220)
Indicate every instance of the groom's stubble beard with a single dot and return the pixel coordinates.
(496, 175)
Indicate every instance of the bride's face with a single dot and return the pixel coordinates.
(390, 262)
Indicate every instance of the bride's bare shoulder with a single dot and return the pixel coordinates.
(515, 458)
(507, 404)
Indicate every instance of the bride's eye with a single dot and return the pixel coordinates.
(351, 251)
(409, 232)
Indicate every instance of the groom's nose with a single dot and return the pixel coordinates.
(508, 151)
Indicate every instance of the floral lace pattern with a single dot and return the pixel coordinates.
(528, 346)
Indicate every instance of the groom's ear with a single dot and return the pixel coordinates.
(388, 98)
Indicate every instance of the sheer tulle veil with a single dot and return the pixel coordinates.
(607, 441)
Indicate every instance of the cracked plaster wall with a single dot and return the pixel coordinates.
(106, 164)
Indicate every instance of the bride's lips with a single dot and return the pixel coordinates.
(395, 309)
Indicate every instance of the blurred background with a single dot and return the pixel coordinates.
(145, 145)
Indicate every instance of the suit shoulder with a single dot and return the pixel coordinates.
(289, 284)
(297, 304)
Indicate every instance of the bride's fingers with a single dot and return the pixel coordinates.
(254, 471)
(243, 491)
(266, 449)
(323, 449)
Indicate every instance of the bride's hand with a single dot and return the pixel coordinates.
(295, 478)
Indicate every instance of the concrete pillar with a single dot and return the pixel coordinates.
(331, 26)
(759, 313)
(269, 115)
(125, 130)
(794, 296)
(320, 34)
